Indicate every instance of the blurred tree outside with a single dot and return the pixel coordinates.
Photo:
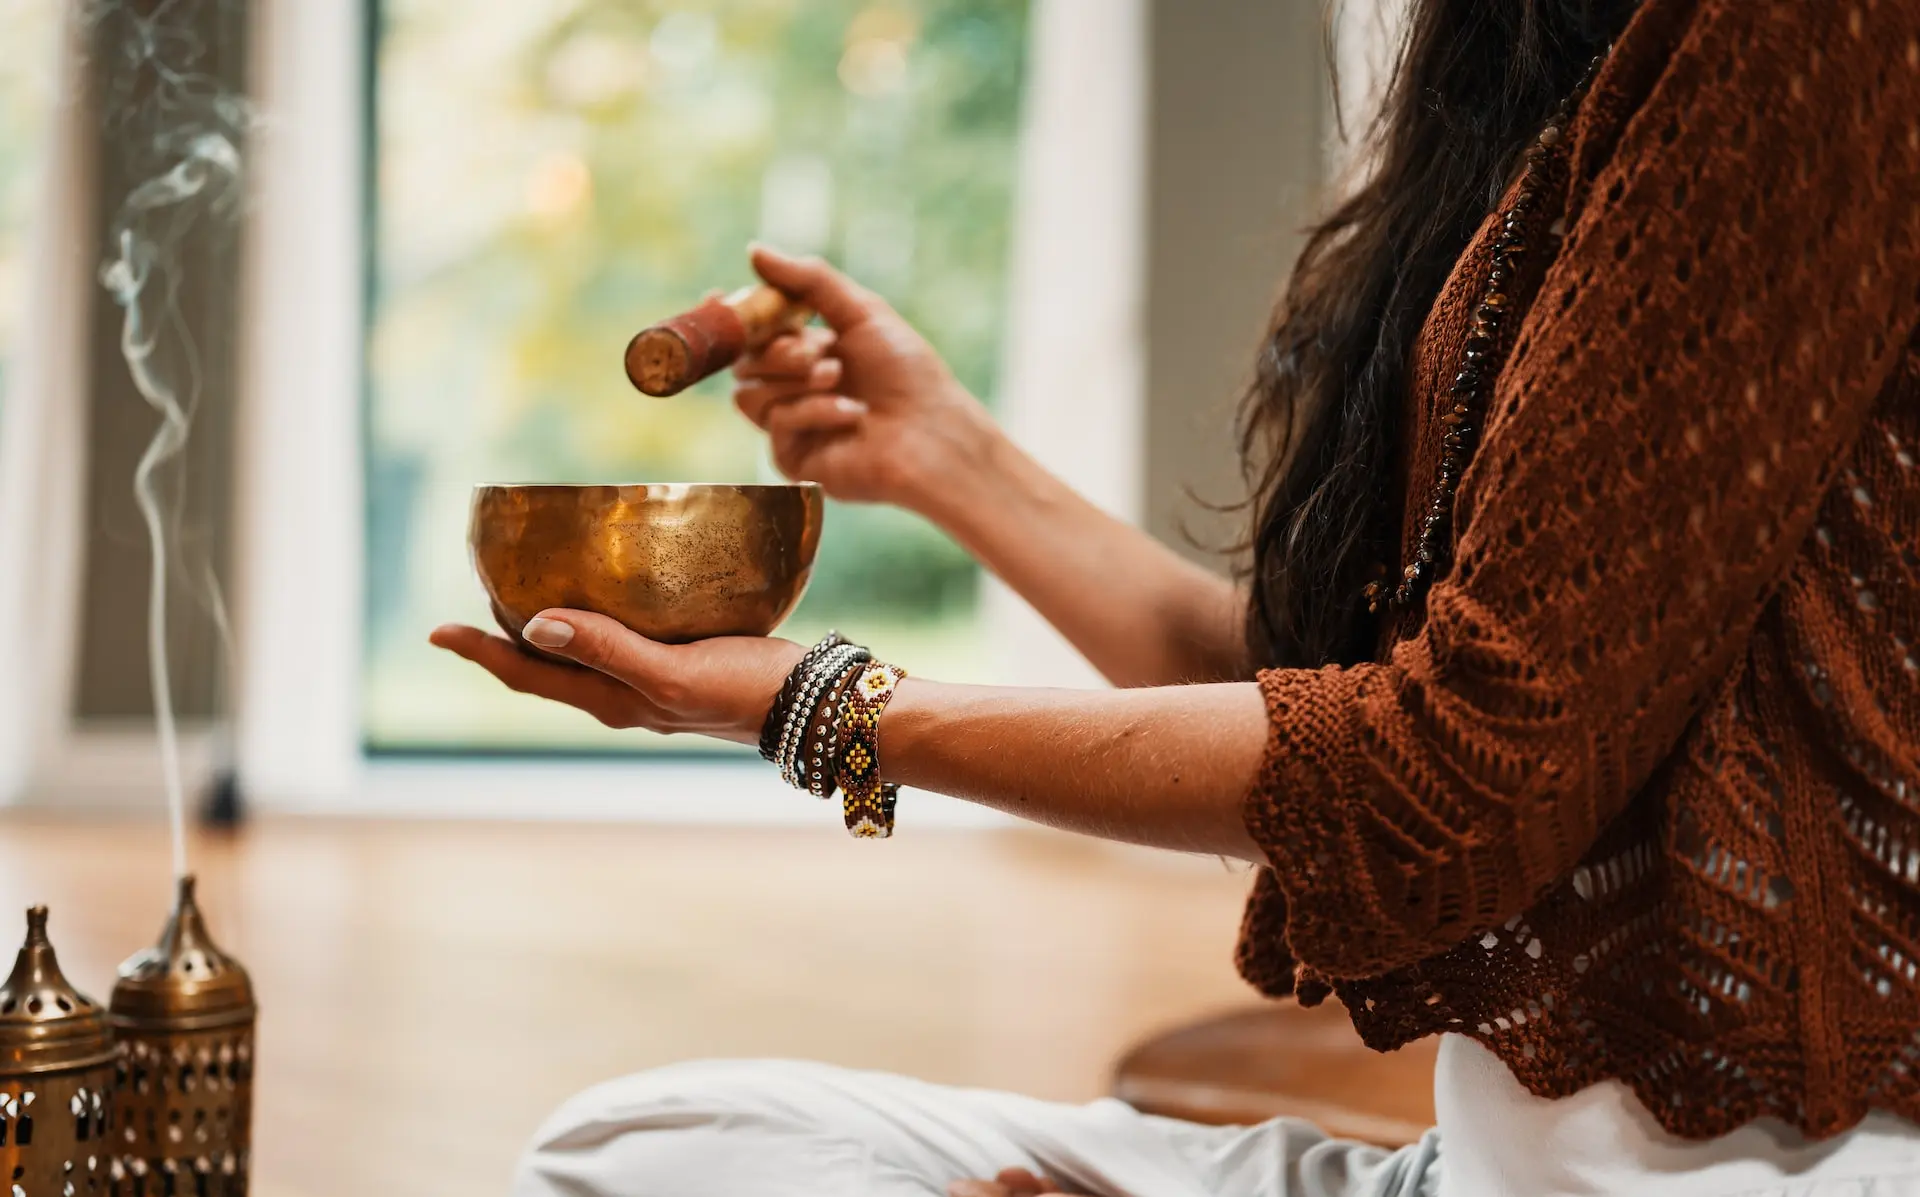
(554, 174)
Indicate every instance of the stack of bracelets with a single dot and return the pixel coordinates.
(823, 732)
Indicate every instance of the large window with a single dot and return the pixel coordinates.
(26, 93)
(552, 176)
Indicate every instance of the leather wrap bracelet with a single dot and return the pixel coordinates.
(783, 702)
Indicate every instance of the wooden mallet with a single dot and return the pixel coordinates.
(674, 354)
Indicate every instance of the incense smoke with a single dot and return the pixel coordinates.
(183, 131)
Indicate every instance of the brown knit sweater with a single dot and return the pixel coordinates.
(1637, 794)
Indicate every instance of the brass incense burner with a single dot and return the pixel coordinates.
(675, 562)
(183, 1017)
(56, 1078)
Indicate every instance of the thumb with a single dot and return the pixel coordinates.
(599, 643)
(841, 302)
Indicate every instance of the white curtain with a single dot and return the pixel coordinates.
(1073, 383)
(42, 453)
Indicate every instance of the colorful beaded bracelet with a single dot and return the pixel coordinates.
(867, 803)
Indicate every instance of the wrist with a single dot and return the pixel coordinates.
(972, 477)
(950, 455)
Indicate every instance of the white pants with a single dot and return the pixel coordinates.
(788, 1129)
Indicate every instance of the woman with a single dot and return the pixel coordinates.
(1572, 710)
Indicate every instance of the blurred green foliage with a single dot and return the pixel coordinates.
(553, 175)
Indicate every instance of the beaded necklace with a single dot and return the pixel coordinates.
(1478, 367)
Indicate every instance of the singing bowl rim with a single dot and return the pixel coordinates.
(677, 486)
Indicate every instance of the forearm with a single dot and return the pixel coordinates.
(1168, 767)
(1140, 612)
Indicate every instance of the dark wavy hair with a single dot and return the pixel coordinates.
(1320, 425)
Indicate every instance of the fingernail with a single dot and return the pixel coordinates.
(547, 633)
(852, 407)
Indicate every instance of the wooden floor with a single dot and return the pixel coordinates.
(430, 991)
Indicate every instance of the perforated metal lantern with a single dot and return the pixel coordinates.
(56, 1071)
(183, 1015)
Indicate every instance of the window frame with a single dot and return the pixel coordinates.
(297, 743)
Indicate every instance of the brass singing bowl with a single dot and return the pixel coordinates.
(675, 562)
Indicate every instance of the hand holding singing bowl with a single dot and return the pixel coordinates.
(672, 590)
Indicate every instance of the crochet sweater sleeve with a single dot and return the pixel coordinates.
(1739, 265)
